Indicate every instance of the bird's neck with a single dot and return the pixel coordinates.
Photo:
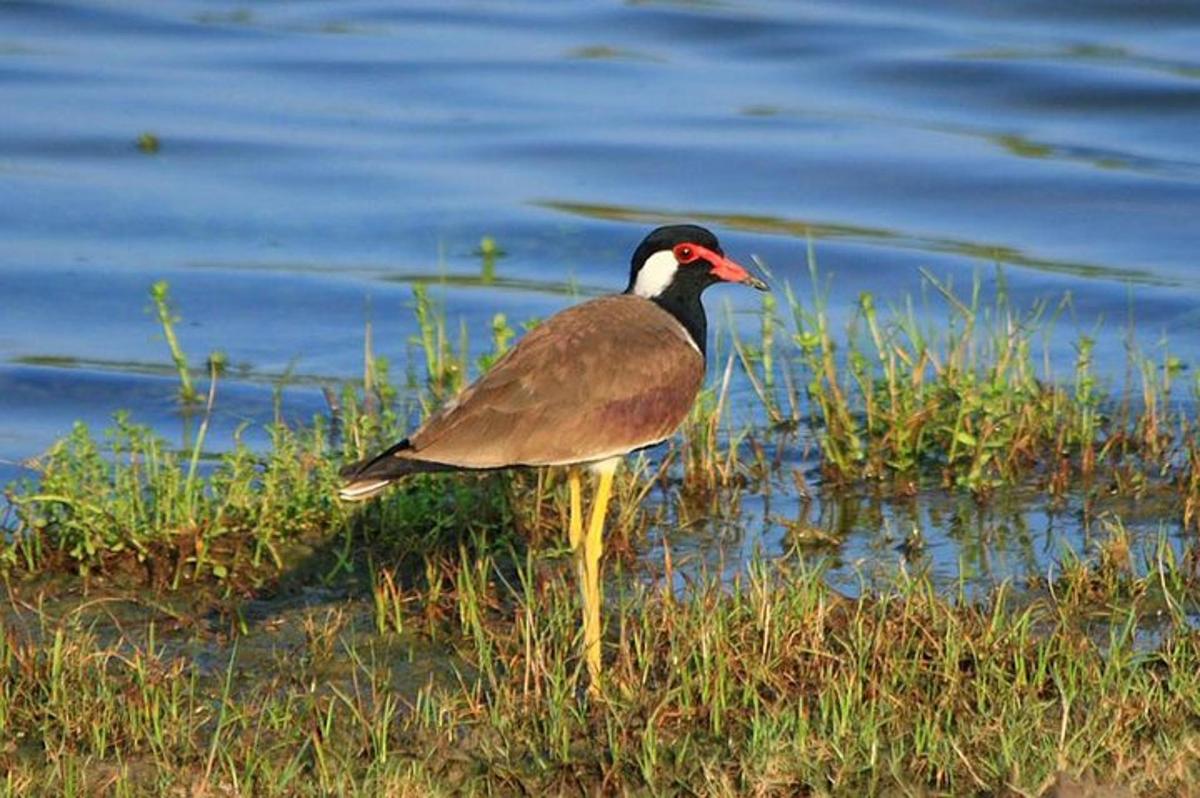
(686, 308)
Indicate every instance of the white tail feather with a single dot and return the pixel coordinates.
(363, 490)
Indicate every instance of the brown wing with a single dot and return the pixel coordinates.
(599, 379)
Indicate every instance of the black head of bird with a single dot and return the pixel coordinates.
(672, 267)
(682, 259)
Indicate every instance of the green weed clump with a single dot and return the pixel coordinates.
(973, 401)
(133, 497)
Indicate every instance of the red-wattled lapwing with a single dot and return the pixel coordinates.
(584, 388)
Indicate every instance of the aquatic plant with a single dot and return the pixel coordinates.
(159, 294)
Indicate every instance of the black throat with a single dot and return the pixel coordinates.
(682, 300)
(681, 296)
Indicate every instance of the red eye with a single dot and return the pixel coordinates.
(684, 253)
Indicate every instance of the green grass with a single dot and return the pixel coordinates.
(774, 685)
(132, 502)
(181, 624)
(972, 400)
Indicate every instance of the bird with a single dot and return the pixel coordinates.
(583, 389)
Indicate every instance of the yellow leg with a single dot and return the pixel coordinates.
(593, 547)
(575, 480)
(576, 529)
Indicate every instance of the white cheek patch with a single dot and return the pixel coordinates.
(656, 274)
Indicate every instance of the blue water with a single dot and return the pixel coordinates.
(318, 158)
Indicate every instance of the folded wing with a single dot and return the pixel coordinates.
(597, 380)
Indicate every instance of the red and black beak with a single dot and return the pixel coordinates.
(729, 271)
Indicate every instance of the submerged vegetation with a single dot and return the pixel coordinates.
(425, 644)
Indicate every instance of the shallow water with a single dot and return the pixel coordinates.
(318, 158)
